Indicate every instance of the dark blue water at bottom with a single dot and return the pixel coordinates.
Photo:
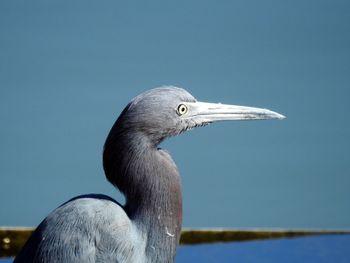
(312, 249)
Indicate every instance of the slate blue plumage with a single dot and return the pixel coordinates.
(96, 228)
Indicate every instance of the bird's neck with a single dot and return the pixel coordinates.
(150, 181)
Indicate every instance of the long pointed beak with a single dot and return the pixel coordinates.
(209, 112)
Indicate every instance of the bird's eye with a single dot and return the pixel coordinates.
(181, 109)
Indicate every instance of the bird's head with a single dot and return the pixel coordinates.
(156, 115)
(167, 111)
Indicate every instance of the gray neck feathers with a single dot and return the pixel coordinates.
(150, 181)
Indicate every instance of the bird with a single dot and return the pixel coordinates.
(146, 229)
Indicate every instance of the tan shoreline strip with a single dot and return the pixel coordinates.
(13, 238)
(202, 236)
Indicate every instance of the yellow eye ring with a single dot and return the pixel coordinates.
(181, 109)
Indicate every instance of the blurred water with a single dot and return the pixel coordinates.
(67, 69)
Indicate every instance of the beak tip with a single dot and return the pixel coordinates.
(275, 115)
(280, 116)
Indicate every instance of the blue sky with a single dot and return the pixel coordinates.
(67, 69)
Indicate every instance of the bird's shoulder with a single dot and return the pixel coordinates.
(92, 209)
(87, 228)
(99, 217)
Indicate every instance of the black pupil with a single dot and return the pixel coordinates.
(182, 109)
